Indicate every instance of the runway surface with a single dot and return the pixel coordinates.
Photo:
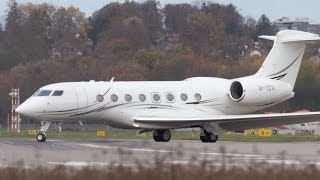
(100, 153)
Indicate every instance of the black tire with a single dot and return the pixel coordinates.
(41, 137)
(166, 136)
(161, 135)
(213, 138)
(203, 139)
(156, 136)
(275, 131)
(208, 137)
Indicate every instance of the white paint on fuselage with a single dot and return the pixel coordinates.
(214, 101)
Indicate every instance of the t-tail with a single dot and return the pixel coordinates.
(284, 60)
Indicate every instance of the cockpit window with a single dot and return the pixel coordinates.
(44, 93)
(57, 93)
(36, 93)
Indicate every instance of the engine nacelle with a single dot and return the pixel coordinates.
(259, 91)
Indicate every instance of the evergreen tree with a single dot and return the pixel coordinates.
(265, 27)
(14, 17)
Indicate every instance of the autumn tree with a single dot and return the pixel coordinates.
(66, 20)
(4, 89)
(250, 24)
(38, 20)
(102, 19)
(177, 16)
(115, 13)
(147, 58)
(204, 34)
(122, 29)
(152, 19)
(125, 71)
(228, 15)
(307, 86)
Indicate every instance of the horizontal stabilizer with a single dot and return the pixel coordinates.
(309, 39)
(272, 38)
(292, 36)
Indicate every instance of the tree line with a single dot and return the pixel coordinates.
(42, 44)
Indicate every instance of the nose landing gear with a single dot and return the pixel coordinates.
(41, 136)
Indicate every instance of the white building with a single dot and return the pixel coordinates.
(301, 24)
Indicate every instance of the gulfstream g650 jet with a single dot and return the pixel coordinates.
(213, 104)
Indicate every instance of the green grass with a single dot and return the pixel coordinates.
(176, 135)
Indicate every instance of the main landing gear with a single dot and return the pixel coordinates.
(165, 136)
(161, 135)
(41, 136)
(208, 137)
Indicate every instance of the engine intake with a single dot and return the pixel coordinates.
(259, 91)
(237, 91)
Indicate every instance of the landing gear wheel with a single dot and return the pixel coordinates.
(41, 137)
(166, 136)
(161, 135)
(208, 137)
(204, 139)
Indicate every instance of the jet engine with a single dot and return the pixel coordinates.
(259, 91)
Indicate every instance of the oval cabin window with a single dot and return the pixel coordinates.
(197, 96)
(184, 97)
(142, 97)
(114, 98)
(156, 97)
(128, 97)
(170, 97)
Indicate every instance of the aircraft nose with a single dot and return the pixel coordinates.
(23, 109)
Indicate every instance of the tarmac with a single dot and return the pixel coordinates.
(101, 153)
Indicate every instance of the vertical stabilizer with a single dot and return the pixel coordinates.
(284, 60)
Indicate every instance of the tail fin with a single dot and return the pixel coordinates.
(284, 60)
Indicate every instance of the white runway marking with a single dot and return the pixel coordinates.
(80, 163)
(52, 140)
(231, 154)
(129, 149)
(14, 166)
(85, 164)
(286, 162)
(3, 165)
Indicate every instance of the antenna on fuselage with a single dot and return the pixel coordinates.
(100, 97)
(111, 80)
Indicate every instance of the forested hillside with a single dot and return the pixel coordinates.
(42, 44)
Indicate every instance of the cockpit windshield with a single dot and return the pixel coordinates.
(57, 93)
(44, 93)
(36, 93)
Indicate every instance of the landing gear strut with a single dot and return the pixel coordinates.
(41, 136)
(161, 135)
(208, 137)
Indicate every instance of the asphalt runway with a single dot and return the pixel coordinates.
(101, 153)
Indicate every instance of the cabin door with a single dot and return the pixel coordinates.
(82, 99)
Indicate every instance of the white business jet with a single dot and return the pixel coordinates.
(213, 104)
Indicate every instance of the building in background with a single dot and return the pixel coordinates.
(301, 24)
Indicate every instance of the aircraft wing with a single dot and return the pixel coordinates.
(236, 122)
